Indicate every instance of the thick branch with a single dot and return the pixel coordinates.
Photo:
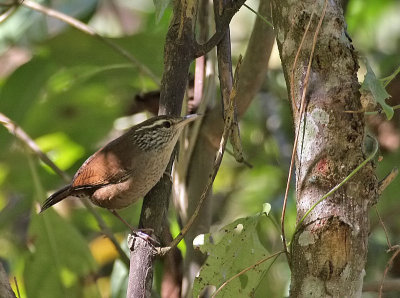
(255, 60)
(253, 73)
(138, 269)
(178, 54)
(221, 24)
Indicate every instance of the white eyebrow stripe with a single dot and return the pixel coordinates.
(157, 123)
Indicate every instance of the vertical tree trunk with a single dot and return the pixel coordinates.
(329, 251)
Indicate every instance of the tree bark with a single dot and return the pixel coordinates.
(5, 288)
(178, 54)
(330, 249)
(138, 269)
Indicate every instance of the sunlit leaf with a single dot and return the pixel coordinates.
(375, 87)
(103, 250)
(230, 250)
(63, 151)
(266, 208)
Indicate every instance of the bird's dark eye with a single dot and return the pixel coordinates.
(167, 124)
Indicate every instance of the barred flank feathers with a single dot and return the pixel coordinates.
(56, 197)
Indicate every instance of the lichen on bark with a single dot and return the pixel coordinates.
(329, 149)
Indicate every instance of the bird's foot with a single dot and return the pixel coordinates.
(143, 233)
(139, 233)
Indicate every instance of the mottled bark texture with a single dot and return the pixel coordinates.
(5, 288)
(330, 249)
(139, 269)
(178, 54)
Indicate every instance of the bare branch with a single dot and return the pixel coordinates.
(222, 23)
(396, 250)
(4, 16)
(217, 163)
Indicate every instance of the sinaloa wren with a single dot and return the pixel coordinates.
(125, 170)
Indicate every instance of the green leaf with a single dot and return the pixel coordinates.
(60, 257)
(119, 280)
(62, 150)
(375, 87)
(230, 250)
(23, 87)
(160, 5)
(89, 51)
(120, 275)
(20, 92)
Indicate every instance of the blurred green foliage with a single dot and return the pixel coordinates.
(67, 94)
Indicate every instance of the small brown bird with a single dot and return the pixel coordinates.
(125, 170)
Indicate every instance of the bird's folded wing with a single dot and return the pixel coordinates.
(102, 168)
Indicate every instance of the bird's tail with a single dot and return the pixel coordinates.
(56, 197)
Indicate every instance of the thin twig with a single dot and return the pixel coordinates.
(385, 182)
(384, 228)
(294, 104)
(24, 137)
(379, 111)
(244, 161)
(259, 15)
(302, 109)
(106, 231)
(224, 56)
(388, 265)
(396, 107)
(218, 159)
(245, 270)
(221, 24)
(88, 30)
(4, 16)
(389, 78)
(16, 286)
